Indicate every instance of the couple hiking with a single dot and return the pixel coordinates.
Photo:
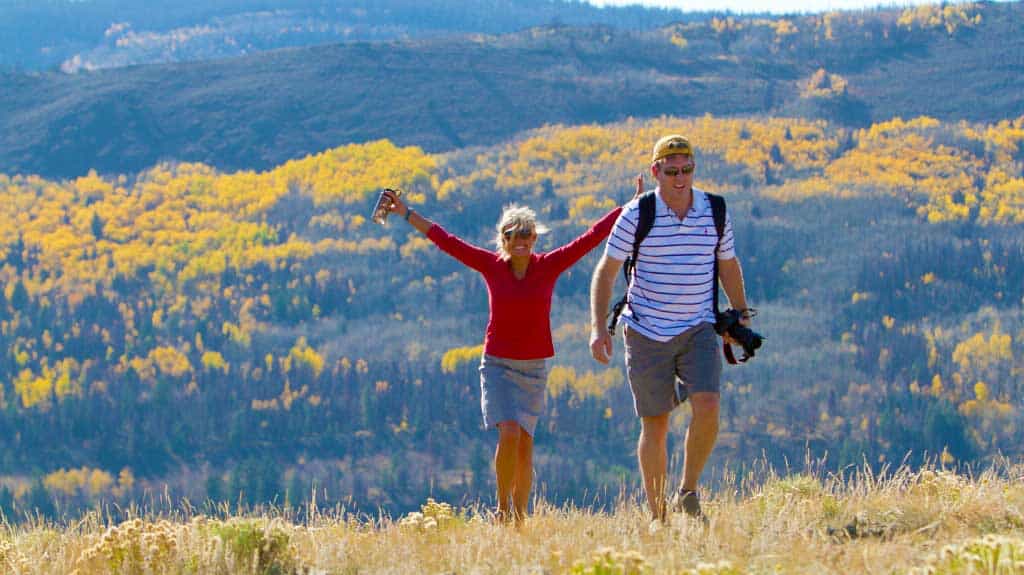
(671, 347)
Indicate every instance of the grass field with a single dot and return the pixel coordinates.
(927, 521)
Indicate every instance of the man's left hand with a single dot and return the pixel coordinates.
(745, 321)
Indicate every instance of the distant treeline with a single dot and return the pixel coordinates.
(108, 33)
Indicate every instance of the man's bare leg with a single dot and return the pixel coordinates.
(700, 437)
(652, 451)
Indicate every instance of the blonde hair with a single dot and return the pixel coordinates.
(514, 218)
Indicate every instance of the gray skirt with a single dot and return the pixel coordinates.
(512, 390)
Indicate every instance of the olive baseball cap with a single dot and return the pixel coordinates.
(671, 146)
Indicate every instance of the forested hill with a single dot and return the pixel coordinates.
(956, 62)
(245, 336)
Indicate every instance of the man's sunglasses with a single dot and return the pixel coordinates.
(522, 233)
(674, 171)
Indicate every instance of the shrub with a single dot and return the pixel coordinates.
(994, 554)
(257, 546)
(608, 561)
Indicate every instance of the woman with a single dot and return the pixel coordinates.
(513, 370)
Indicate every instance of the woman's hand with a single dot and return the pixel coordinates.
(395, 205)
(639, 186)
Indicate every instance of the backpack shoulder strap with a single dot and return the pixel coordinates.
(718, 213)
(645, 221)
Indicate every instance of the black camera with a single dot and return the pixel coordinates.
(728, 322)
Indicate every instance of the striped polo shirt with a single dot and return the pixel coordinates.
(673, 279)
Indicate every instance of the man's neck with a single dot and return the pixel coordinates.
(679, 201)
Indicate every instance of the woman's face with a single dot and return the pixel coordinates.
(519, 241)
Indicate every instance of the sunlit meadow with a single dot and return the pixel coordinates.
(902, 521)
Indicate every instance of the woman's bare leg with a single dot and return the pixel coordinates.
(524, 475)
(506, 457)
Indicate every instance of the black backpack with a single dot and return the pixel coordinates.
(648, 203)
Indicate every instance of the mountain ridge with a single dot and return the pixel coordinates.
(73, 36)
(441, 94)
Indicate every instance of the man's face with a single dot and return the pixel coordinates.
(674, 173)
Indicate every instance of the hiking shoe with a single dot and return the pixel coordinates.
(655, 526)
(686, 501)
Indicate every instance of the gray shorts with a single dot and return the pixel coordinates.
(512, 390)
(662, 374)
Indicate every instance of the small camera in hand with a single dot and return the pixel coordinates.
(383, 206)
(728, 322)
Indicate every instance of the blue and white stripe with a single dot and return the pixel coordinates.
(672, 283)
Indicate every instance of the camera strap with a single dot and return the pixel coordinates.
(729, 357)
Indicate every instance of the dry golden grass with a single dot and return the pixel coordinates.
(928, 521)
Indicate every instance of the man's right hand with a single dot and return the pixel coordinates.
(601, 345)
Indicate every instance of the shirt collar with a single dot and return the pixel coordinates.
(699, 207)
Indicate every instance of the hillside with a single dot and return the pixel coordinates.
(247, 335)
(443, 94)
(932, 521)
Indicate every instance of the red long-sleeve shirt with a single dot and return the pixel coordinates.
(519, 326)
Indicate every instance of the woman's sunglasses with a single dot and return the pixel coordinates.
(521, 233)
(674, 171)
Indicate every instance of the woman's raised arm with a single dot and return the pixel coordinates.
(570, 253)
(468, 254)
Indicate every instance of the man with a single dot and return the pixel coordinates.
(669, 321)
